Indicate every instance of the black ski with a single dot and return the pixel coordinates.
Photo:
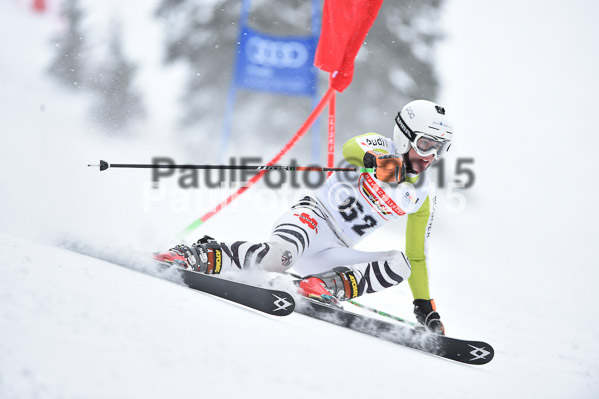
(274, 302)
(469, 352)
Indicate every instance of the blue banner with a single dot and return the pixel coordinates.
(276, 64)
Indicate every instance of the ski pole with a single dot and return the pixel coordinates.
(103, 165)
(380, 312)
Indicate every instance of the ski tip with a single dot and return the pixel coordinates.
(482, 353)
(477, 353)
(284, 304)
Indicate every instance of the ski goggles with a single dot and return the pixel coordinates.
(426, 145)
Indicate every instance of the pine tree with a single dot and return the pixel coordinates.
(118, 103)
(68, 66)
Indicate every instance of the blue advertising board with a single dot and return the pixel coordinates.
(276, 64)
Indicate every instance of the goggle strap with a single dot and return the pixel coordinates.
(409, 133)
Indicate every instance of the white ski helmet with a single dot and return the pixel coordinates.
(424, 126)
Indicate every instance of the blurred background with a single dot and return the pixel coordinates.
(130, 82)
(513, 254)
(200, 38)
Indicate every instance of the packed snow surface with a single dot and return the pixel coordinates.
(75, 326)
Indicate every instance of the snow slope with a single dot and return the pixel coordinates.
(515, 267)
(74, 326)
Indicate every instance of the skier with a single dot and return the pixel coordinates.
(317, 234)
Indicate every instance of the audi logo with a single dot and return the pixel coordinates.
(277, 54)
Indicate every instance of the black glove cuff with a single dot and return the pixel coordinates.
(369, 160)
(423, 309)
(423, 306)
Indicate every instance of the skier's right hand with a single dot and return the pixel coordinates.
(426, 314)
(387, 167)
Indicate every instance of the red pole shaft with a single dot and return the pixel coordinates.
(331, 135)
(302, 130)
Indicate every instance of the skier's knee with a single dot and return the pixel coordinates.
(279, 258)
(399, 264)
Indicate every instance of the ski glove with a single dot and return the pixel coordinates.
(387, 167)
(426, 314)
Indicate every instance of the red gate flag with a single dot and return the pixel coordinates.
(345, 24)
(39, 5)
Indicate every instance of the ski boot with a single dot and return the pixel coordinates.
(330, 287)
(205, 256)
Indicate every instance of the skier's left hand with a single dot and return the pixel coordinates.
(426, 314)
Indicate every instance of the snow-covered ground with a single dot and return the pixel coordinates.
(77, 327)
(515, 267)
